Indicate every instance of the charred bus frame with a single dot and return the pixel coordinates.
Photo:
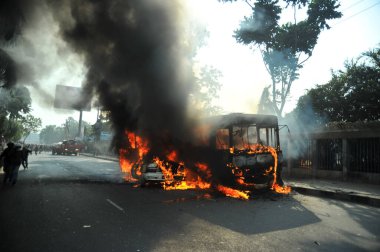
(247, 146)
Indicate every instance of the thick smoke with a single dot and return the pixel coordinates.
(135, 55)
(32, 54)
(137, 66)
(7, 70)
(11, 19)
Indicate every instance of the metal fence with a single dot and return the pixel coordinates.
(329, 154)
(301, 153)
(364, 155)
(345, 152)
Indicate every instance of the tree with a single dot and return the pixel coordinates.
(351, 95)
(70, 128)
(19, 102)
(51, 134)
(15, 106)
(30, 124)
(11, 129)
(284, 47)
(15, 101)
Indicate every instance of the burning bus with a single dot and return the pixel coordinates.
(246, 149)
(235, 154)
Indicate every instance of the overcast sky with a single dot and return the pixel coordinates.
(244, 74)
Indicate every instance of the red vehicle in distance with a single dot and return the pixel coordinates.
(67, 147)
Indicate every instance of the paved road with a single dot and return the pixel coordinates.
(82, 204)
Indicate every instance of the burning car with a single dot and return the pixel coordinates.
(235, 154)
(156, 172)
(151, 173)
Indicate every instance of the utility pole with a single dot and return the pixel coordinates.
(80, 124)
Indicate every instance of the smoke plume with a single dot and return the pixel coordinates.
(137, 66)
(135, 55)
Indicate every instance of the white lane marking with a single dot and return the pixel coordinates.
(115, 205)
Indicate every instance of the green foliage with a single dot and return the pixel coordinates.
(15, 105)
(20, 102)
(71, 128)
(297, 3)
(53, 134)
(351, 95)
(320, 11)
(261, 26)
(30, 124)
(372, 57)
(11, 129)
(285, 47)
(15, 101)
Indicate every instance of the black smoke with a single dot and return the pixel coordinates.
(11, 20)
(136, 64)
(7, 70)
(133, 51)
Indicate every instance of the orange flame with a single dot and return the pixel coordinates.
(172, 156)
(282, 189)
(190, 180)
(232, 192)
(184, 178)
(258, 148)
(125, 165)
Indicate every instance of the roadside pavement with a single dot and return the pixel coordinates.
(358, 192)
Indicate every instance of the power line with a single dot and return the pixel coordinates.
(354, 4)
(344, 20)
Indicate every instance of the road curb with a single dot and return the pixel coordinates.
(99, 157)
(344, 196)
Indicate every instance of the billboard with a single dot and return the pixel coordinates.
(68, 97)
(105, 136)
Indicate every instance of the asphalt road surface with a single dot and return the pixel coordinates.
(79, 203)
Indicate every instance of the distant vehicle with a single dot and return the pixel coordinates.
(67, 147)
(56, 148)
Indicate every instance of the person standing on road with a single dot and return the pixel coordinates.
(12, 160)
(25, 154)
(6, 155)
(15, 161)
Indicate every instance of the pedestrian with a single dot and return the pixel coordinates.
(36, 149)
(15, 162)
(25, 153)
(6, 156)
